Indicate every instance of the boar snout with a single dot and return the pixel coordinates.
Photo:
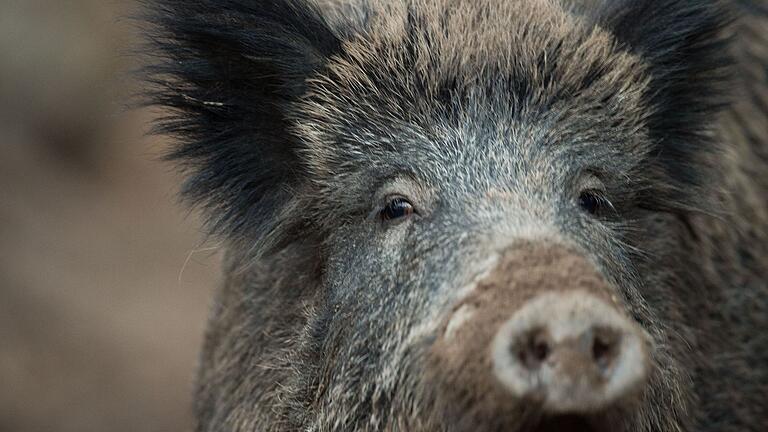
(542, 337)
(573, 352)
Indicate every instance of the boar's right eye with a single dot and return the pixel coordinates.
(397, 208)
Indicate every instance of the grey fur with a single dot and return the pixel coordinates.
(489, 117)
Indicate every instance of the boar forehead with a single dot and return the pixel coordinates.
(468, 93)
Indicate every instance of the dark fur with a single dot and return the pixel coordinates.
(227, 71)
(289, 117)
(689, 58)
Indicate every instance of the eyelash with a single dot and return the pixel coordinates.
(397, 207)
(593, 201)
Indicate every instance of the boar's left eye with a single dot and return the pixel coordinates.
(591, 201)
(397, 208)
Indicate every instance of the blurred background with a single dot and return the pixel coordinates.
(104, 279)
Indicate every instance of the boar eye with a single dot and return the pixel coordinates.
(591, 201)
(396, 208)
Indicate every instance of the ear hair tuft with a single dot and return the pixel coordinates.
(225, 72)
(687, 46)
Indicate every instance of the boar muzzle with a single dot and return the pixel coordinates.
(541, 342)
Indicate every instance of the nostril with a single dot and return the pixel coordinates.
(540, 351)
(600, 349)
(533, 348)
(605, 345)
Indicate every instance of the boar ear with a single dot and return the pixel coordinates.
(685, 45)
(225, 73)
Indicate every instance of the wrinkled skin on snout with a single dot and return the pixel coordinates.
(475, 215)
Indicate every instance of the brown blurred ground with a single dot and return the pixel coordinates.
(99, 326)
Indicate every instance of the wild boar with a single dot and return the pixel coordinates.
(476, 215)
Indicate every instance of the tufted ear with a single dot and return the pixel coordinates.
(226, 73)
(685, 44)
